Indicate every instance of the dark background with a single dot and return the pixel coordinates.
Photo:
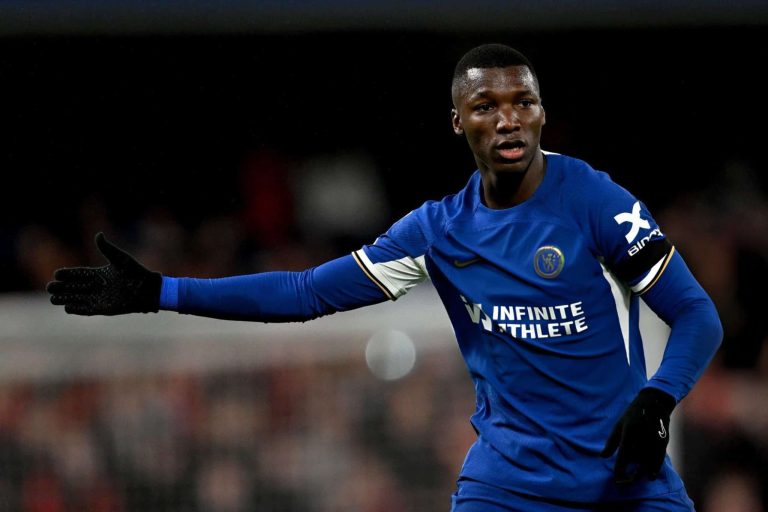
(143, 119)
(147, 119)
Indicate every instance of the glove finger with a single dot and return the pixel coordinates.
(622, 461)
(60, 300)
(613, 441)
(651, 463)
(627, 476)
(113, 253)
(79, 309)
(76, 274)
(69, 287)
(650, 471)
(64, 299)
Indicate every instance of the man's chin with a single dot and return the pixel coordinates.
(511, 167)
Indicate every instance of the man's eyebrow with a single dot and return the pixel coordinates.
(485, 93)
(480, 93)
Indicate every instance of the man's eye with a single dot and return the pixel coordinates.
(483, 107)
(526, 103)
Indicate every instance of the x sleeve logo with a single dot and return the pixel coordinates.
(637, 221)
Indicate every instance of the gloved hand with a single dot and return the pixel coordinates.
(123, 286)
(641, 435)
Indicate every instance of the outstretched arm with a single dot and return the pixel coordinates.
(338, 285)
(125, 286)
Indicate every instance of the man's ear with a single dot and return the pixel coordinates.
(456, 122)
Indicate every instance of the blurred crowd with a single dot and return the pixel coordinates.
(722, 232)
(280, 214)
(311, 437)
(327, 437)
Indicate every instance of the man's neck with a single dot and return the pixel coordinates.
(504, 190)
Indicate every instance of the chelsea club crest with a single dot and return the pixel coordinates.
(548, 261)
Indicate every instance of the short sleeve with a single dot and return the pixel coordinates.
(395, 261)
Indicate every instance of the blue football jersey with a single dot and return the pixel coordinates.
(543, 298)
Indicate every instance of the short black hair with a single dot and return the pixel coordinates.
(491, 55)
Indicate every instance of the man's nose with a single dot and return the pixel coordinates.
(507, 119)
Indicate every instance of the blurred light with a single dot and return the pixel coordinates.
(390, 354)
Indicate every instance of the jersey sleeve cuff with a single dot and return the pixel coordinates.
(169, 293)
(661, 386)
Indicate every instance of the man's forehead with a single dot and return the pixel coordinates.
(511, 73)
(511, 76)
(474, 73)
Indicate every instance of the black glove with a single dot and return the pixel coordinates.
(123, 286)
(641, 435)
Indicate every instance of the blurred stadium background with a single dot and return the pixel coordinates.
(215, 138)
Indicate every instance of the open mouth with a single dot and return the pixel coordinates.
(511, 149)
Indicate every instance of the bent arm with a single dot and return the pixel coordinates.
(696, 331)
(338, 285)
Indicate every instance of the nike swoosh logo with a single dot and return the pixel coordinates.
(462, 264)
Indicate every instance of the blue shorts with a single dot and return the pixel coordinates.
(473, 496)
